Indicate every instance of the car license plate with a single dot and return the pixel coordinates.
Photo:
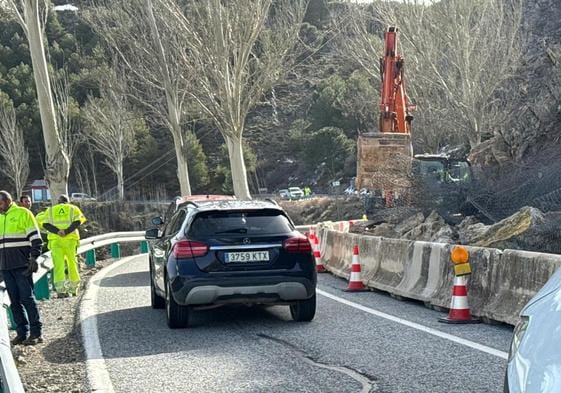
(247, 256)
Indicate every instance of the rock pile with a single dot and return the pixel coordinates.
(528, 229)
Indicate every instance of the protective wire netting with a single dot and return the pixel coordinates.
(511, 206)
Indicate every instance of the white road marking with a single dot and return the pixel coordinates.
(98, 376)
(434, 332)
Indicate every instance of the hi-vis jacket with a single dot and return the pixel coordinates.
(19, 238)
(62, 216)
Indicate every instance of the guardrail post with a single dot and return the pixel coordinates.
(143, 247)
(90, 258)
(115, 250)
(41, 288)
(11, 321)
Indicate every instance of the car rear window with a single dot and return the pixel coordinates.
(261, 222)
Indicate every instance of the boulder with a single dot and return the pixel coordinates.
(428, 229)
(445, 234)
(409, 223)
(384, 230)
(469, 229)
(505, 231)
(528, 229)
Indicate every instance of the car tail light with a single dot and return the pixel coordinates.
(189, 249)
(299, 244)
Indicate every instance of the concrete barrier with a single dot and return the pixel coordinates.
(479, 282)
(502, 282)
(514, 280)
(423, 271)
(336, 250)
(393, 257)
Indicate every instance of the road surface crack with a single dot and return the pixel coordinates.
(368, 382)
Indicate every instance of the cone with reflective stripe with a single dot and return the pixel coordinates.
(355, 282)
(459, 308)
(312, 234)
(320, 268)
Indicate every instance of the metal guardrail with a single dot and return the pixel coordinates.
(10, 379)
(11, 382)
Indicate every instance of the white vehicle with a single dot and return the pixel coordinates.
(534, 361)
(295, 192)
(284, 194)
(81, 197)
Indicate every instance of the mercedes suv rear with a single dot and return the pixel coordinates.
(219, 252)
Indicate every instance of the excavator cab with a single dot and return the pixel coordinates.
(440, 168)
(442, 183)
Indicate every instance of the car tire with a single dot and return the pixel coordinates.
(304, 310)
(177, 315)
(156, 300)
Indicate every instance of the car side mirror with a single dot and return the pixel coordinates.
(158, 221)
(152, 234)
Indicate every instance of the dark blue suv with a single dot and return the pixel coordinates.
(211, 253)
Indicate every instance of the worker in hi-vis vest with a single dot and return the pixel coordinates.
(61, 221)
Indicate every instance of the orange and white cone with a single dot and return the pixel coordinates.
(355, 282)
(459, 307)
(312, 234)
(320, 268)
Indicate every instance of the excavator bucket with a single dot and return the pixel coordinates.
(384, 161)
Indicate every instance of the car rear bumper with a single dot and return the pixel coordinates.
(256, 290)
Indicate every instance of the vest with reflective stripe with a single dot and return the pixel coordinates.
(19, 237)
(61, 216)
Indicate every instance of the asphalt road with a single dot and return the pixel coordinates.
(351, 346)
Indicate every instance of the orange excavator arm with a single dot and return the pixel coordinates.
(394, 109)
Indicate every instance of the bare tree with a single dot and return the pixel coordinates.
(70, 134)
(136, 31)
(460, 56)
(238, 50)
(12, 148)
(112, 126)
(31, 15)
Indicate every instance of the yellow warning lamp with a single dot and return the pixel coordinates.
(460, 258)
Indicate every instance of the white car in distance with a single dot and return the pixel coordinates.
(81, 197)
(295, 192)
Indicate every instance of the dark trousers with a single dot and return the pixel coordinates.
(24, 306)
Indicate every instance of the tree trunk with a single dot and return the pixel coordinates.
(19, 186)
(172, 106)
(237, 167)
(182, 168)
(57, 164)
(120, 182)
(91, 161)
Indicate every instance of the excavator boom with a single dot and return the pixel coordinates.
(394, 116)
(384, 157)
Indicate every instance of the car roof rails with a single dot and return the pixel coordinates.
(179, 201)
(272, 201)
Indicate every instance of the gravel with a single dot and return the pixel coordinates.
(58, 364)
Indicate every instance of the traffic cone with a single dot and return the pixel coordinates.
(459, 309)
(355, 282)
(320, 268)
(312, 233)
